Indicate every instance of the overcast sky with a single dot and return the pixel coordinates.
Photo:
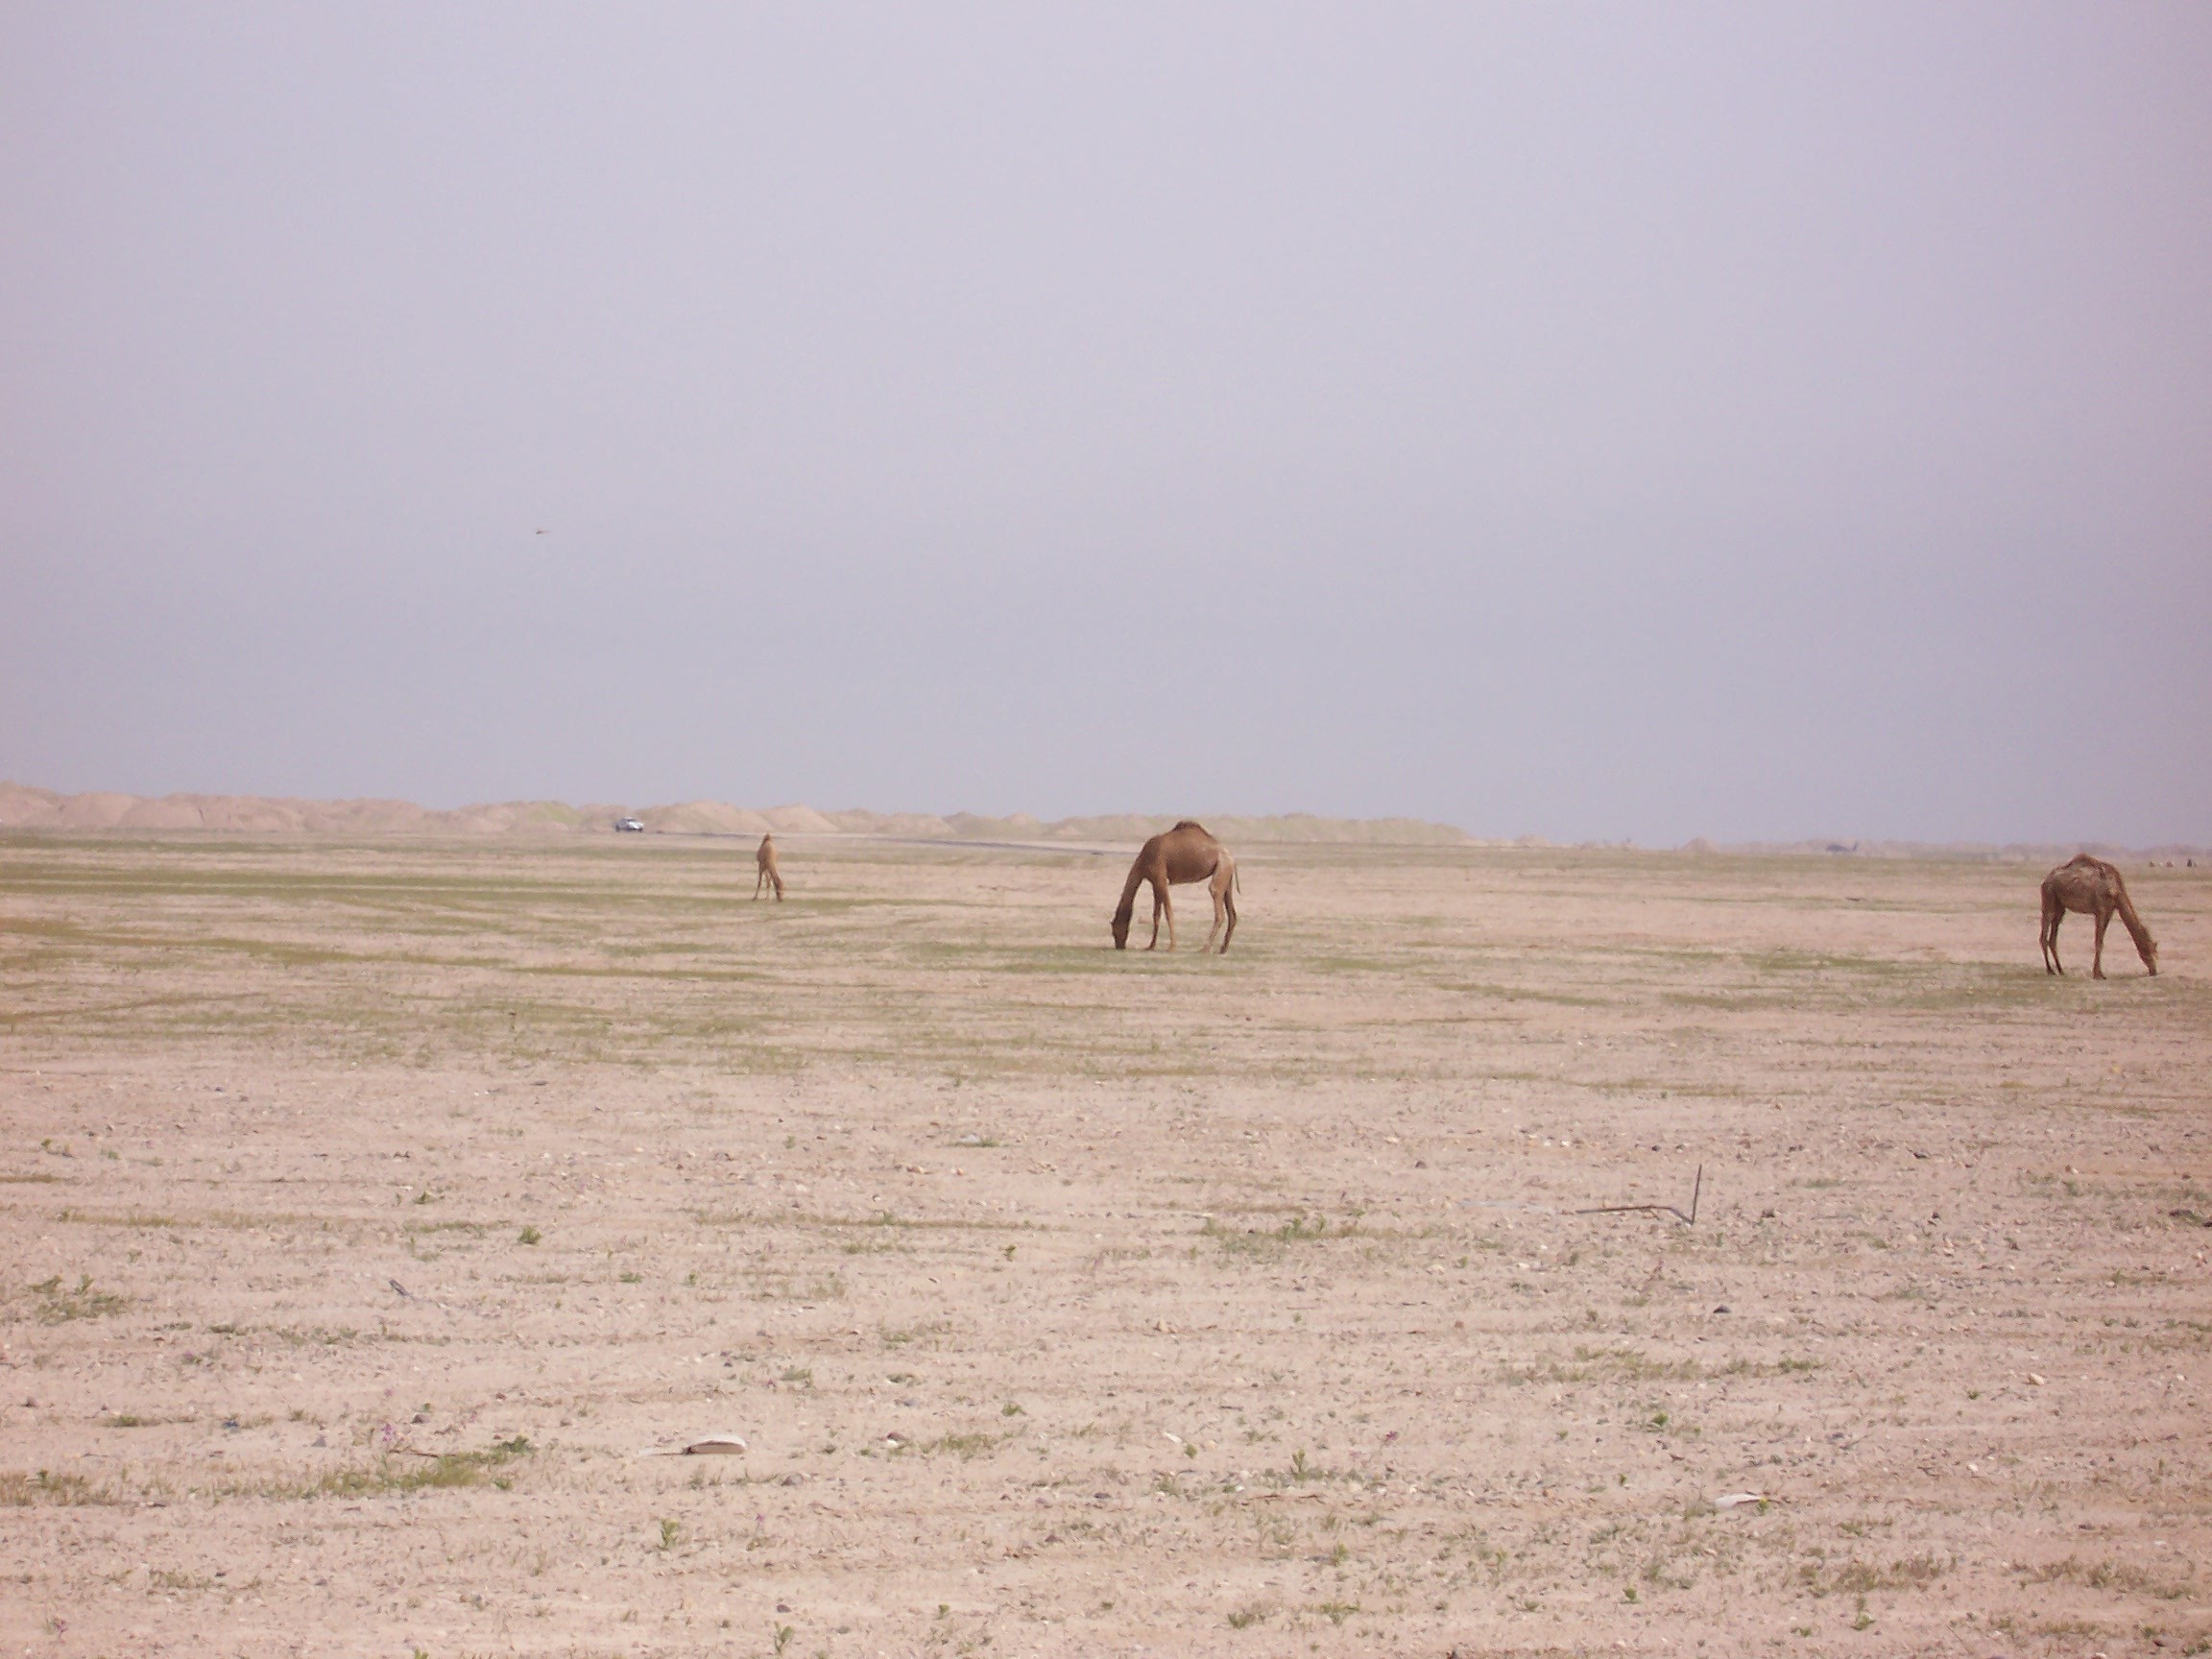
(1631, 422)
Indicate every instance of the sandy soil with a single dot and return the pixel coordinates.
(367, 1209)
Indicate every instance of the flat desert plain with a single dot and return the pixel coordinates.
(376, 1218)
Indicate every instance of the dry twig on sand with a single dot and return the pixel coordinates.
(1625, 1209)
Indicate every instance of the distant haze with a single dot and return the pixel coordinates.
(1751, 422)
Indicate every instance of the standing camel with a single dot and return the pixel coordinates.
(770, 875)
(2093, 887)
(1180, 855)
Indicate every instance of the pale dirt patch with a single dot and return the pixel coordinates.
(1071, 1302)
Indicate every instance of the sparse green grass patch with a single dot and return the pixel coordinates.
(965, 1447)
(1858, 1578)
(2110, 1574)
(1267, 1244)
(20, 1490)
(405, 1472)
(58, 1305)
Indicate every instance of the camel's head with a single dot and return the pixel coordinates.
(1121, 925)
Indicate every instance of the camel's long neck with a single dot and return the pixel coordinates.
(2144, 945)
(1128, 905)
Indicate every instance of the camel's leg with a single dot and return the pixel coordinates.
(758, 878)
(1224, 890)
(777, 879)
(2043, 933)
(2058, 966)
(1160, 903)
(2096, 959)
(1217, 927)
(1167, 901)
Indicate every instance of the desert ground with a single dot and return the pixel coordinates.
(373, 1211)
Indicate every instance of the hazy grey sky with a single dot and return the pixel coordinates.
(1753, 420)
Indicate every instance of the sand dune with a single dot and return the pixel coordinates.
(23, 806)
(26, 808)
(2005, 852)
(703, 818)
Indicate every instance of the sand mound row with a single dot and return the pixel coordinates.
(2007, 853)
(23, 806)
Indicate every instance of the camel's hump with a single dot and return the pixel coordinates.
(1193, 824)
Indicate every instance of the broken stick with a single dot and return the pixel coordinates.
(1624, 1209)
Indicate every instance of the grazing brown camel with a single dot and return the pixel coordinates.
(1179, 855)
(770, 875)
(2093, 887)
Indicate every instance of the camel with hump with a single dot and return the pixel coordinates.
(769, 875)
(2093, 887)
(1174, 858)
